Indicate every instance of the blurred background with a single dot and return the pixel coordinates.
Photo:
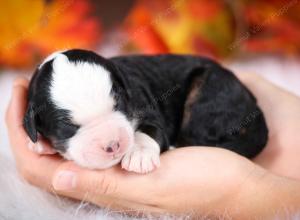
(259, 36)
(220, 29)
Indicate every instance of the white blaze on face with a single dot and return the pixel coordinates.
(84, 89)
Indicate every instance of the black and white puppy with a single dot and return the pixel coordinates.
(99, 112)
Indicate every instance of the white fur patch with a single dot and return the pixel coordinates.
(144, 157)
(82, 88)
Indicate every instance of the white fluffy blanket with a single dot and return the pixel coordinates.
(20, 201)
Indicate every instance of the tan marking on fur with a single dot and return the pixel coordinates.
(194, 94)
(243, 131)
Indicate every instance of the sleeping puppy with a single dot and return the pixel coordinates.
(129, 109)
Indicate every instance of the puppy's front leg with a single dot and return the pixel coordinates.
(144, 156)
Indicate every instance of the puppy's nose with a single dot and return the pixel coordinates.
(112, 147)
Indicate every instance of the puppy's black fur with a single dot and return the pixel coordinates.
(178, 100)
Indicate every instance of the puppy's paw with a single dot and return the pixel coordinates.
(141, 160)
(144, 157)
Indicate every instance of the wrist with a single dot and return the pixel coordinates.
(266, 196)
(284, 196)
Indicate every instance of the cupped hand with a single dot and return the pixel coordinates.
(282, 112)
(201, 180)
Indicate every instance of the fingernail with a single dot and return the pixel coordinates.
(39, 148)
(64, 180)
(20, 81)
(30, 145)
(36, 147)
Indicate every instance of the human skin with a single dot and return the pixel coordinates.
(204, 181)
(282, 112)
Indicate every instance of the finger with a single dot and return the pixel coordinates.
(113, 182)
(113, 188)
(42, 146)
(15, 114)
(277, 104)
(18, 102)
(36, 169)
(264, 89)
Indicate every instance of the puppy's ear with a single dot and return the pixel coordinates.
(29, 123)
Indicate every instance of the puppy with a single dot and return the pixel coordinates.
(129, 109)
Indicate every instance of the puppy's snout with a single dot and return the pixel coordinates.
(112, 147)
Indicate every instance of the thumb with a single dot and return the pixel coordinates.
(114, 186)
(71, 178)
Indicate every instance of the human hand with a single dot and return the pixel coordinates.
(282, 112)
(206, 181)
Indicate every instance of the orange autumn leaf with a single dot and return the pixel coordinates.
(283, 32)
(39, 28)
(179, 26)
(148, 39)
(274, 27)
(216, 28)
(205, 9)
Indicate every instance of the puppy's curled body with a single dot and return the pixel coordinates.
(195, 101)
(99, 111)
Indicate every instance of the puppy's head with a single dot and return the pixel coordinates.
(77, 100)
